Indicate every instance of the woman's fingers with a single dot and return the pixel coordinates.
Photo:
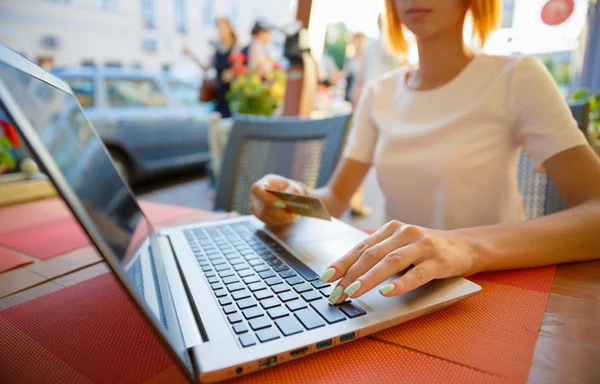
(340, 268)
(269, 215)
(421, 274)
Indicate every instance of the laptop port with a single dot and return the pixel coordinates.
(324, 344)
(347, 337)
(266, 363)
(299, 352)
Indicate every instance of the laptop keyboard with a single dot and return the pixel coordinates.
(265, 293)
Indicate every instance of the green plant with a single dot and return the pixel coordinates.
(335, 43)
(594, 101)
(252, 94)
(8, 141)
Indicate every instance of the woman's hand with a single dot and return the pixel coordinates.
(268, 207)
(392, 249)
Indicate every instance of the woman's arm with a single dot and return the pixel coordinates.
(205, 67)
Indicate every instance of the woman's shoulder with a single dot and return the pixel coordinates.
(512, 64)
(391, 79)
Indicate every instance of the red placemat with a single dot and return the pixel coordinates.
(10, 259)
(494, 331)
(97, 336)
(21, 216)
(47, 240)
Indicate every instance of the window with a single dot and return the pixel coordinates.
(180, 23)
(147, 9)
(108, 5)
(113, 64)
(208, 10)
(134, 93)
(182, 93)
(88, 64)
(508, 9)
(83, 88)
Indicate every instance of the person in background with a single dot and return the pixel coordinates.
(225, 46)
(257, 51)
(445, 138)
(355, 62)
(378, 59)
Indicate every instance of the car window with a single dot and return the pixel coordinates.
(83, 88)
(182, 93)
(134, 93)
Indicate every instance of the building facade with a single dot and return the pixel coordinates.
(145, 34)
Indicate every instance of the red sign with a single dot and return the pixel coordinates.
(556, 12)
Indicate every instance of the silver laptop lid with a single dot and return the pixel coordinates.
(47, 115)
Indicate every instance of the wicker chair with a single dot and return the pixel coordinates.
(304, 150)
(540, 196)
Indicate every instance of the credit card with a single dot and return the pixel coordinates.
(303, 205)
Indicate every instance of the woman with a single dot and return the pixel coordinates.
(220, 62)
(444, 139)
(257, 52)
(355, 64)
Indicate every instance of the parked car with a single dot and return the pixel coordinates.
(146, 129)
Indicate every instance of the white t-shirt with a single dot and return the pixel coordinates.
(446, 158)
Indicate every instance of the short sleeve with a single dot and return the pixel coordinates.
(363, 135)
(544, 125)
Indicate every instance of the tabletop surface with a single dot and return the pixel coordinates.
(567, 350)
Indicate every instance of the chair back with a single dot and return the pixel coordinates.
(540, 196)
(300, 149)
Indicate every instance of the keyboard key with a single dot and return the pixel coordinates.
(207, 268)
(255, 262)
(270, 303)
(319, 284)
(225, 300)
(301, 288)
(309, 318)
(220, 293)
(288, 296)
(246, 273)
(264, 294)
(286, 274)
(295, 280)
(261, 267)
(259, 323)
(226, 273)
(252, 313)
(241, 267)
(297, 265)
(267, 335)
(329, 312)
(239, 295)
(247, 340)
(289, 326)
(251, 279)
(231, 279)
(352, 310)
(251, 257)
(274, 261)
(280, 268)
(326, 291)
(267, 274)
(257, 286)
(247, 303)
(221, 267)
(240, 328)
(210, 274)
(236, 260)
(235, 287)
(279, 288)
(278, 312)
(213, 280)
(229, 309)
(203, 263)
(273, 281)
(216, 286)
(246, 251)
(295, 305)
(235, 318)
(219, 261)
(311, 296)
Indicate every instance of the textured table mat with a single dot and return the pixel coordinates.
(10, 259)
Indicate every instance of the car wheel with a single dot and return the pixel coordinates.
(122, 165)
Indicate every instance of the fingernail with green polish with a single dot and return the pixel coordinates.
(327, 275)
(279, 204)
(335, 295)
(353, 288)
(387, 289)
(297, 218)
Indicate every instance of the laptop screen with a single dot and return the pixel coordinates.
(84, 163)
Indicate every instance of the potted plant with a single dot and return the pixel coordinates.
(255, 94)
(8, 142)
(594, 102)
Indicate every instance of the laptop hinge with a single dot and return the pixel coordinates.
(191, 325)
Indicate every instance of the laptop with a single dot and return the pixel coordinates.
(226, 298)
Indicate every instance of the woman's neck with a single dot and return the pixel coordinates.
(441, 59)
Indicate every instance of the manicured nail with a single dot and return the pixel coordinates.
(335, 295)
(387, 289)
(353, 288)
(279, 204)
(327, 275)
